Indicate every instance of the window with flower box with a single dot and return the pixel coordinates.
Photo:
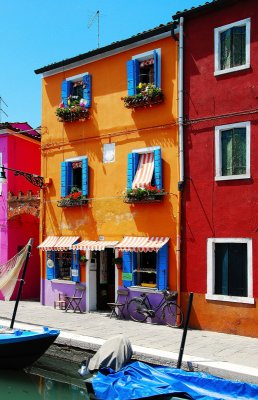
(144, 176)
(74, 182)
(144, 80)
(76, 98)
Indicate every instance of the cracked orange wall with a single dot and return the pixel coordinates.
(107, 215)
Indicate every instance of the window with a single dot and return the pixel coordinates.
(148, 269)
(63, 265)
(77, 89)
(154, 173)
(108, 152)
(144, 68)
(229, 266)
(232, 149)
(232, 47)
(74, 174)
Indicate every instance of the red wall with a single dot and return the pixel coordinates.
(210, 208)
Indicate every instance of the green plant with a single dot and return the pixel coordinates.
(146, 94)
(74, 111)
(83, 259)
(118, 260)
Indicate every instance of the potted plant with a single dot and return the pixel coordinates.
(146, 194)
(83, 259)
(74, 199)
(74, 111)
(118, 262)
(146, 95)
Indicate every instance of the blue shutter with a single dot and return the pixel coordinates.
(162, 267)
(157, 72)
(133, 160)
(131, 77)
(66, 178)
(52, 272)
(75, 266)
(87, 91)
(127, 267)
(158, 168)
(66, 91)
(85, 179)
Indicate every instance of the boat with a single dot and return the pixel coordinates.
(20, 348)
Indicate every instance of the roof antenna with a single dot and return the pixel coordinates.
(95, 16)
(1, 110)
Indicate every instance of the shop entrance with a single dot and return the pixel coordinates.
(105, 278)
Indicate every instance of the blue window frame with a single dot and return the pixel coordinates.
(133, 160)
(135, 271)
(144, 68)
(77, 89)
(74, 173)
(63, 265)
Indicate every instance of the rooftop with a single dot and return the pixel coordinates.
(22, 128)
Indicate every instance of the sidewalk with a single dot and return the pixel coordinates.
(228, 356)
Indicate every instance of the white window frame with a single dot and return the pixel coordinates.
(217, 47)
(210, 295)
(218, 151)
(145, 56)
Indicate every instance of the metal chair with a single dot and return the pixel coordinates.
(117, 308)
(74, 301)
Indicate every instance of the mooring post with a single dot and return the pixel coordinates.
(181, 352)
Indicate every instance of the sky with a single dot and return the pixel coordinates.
(36, 33)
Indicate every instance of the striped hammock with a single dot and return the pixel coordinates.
(9, 273)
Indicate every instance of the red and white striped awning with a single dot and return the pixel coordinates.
(58, 243)
(94, 245)
(142, 244)
(48, 243)
(144, 171)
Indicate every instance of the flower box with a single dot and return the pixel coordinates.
(74, 199)
(75, 110)
(148, 194)
(147, 95)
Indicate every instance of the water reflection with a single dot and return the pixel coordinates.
(38, 383)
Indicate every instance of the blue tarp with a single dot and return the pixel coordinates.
(139, 380)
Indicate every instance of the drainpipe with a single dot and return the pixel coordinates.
(181, 152)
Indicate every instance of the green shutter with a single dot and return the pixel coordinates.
(158, 169)
(233, 150)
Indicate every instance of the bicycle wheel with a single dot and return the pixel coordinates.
(136, 308)
(172, 315)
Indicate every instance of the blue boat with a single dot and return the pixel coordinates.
(21, 348)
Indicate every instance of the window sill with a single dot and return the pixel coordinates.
(72, 203)
(229, 70)
(231, 177)
(138, 201)
(66, 281)
(230, 299)
(144, 289)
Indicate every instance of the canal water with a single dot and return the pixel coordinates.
(48, 379)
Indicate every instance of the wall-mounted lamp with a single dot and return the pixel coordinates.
(35, 180)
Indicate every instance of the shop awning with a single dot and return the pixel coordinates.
(142, 244)
(58, 243)
(94, 245)
(144, 171)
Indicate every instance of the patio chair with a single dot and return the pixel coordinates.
(117, 308)
(74, 301)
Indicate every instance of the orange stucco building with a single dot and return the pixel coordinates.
(90, 161)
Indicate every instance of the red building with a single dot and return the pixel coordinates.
(220, 195)
(20, 200)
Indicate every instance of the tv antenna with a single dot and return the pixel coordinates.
(92, 20)
(1, 110)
